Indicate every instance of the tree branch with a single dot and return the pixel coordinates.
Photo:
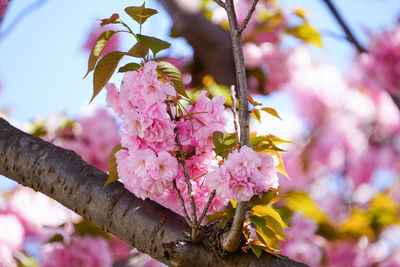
(211, 43)
(231, 240)
(151, 228)
(349, 35)
(248, 17)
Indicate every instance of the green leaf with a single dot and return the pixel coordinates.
(130, 67)
(307, 33)
(262, 143)
(153, 43)
(86, 227)
(224, 142)
(140, 13)
(97, 49)
(272, 112)
(104, 69)
(139, 50)
(168, 70)
(255, 113)
(112, 166)
(256, 250)
(258, 221)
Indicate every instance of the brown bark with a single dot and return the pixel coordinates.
(64, 176)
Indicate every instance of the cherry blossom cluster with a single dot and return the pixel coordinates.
(149, 165)
(244, 174)
(92, 137)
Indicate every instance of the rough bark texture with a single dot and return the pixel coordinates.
(211, 43)
(64, 176)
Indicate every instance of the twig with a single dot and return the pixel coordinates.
(185, 214)
(233, 108)
(220, 3)
(210, 199)
(194, 224)
(350, 36)
(231, 240)
(247, 19)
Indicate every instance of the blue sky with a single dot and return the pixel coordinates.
(42, 62)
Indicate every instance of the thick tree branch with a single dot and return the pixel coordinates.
(65, 177)
(210, 42)
(349, 35)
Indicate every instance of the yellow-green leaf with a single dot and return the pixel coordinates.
(307, 33)
(255, 113)
(264, 200)
(139, 50)
(276, 140)
(153, 43)
(168, 70)
(264, 211)
(301, 201)
(112, 166)
(97, 49)
(276, 227)
(219, 215)
(268, 237)
(223, 143)
(129, 67)
(272, 112)
(140, 13)
(260, 143)
(104, 69)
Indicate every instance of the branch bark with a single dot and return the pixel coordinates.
(64, 176)
(211, 43)
(349, 35)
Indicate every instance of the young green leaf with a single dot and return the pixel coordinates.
(112, 166)
(168, 70)
(256, 250)
(263, 211)
(139, 50)
(129, 67)
(114, 19)
(153, 43)
(140, 13)
(263, 142)
(97, 49)
(223, 143)
(104, 69)
(272, 112)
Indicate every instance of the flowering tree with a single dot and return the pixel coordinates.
(176, 149)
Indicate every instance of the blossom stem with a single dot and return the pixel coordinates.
(194, 224)
(210, 199)
(179, 195)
